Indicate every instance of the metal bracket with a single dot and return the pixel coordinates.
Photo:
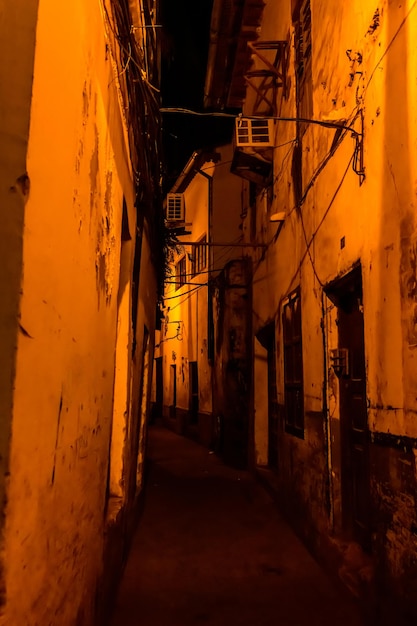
(273, 75)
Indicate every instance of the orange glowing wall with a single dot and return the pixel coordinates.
(363, 74)
(66, 131)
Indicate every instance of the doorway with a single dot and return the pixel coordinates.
(143, 412)
(159, 387)
(122, 369)
(193, 387)
(349, 365)
(173, 391)
(266, 337)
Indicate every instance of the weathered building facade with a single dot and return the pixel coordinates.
(79, 287)
(207, 235)
(325, 150)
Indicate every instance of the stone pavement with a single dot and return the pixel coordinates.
(212, 549)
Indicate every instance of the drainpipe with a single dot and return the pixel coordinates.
(187, 171)
(212, 51)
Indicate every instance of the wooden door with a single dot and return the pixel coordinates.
(159, 391)
(353, 412)
(173, 391)
(193, 388)
(266, 337)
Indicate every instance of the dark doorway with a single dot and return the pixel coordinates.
(193, 386)
(347, 295)
(272, 406)
(159, 389)
(266, 338)
(173, 392)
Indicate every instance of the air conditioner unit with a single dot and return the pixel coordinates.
(175, 207)
(254, 133)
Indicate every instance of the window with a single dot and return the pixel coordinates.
(199, 259)
(251, 132)
(303, 87)
(180, 273)
(303, 71)
(175, 207)
(293, 365)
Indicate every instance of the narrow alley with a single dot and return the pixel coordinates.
(212, 548)
(208, 313)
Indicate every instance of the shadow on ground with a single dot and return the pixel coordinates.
(211, 548)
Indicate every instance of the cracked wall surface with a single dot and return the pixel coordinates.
(66, 178)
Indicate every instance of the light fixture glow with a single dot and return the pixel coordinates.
(277, 217)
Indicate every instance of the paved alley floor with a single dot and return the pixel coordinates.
(212, 549)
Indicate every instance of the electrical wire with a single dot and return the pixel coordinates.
(186, 293)
(287, 155)
(219, 269)
(300, 120)
(313, 236)
(137, 77)
(177, 282)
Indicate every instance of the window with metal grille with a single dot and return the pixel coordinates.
(254, 132)
(293, 365)
(180, 272)
(175, 207)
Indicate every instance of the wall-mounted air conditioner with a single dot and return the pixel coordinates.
(175, 207)
(254, 133)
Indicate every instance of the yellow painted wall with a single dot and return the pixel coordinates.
(143, 358)
(376, 219)
(227, 200)
(17, 32)
(188, 305)
(79, 172)
(363, 60)
(122, 375)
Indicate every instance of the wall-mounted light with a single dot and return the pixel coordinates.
(339, 360)
(278, 217)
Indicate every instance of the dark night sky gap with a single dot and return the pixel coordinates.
(185, 37)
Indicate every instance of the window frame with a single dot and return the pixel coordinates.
(180, 273)
(302, 21)
(293, 364)
(175, 209)
(199, 258)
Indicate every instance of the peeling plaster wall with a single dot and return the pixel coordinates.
(363, 57)
(17, 33)
(381, 232)
(142, 364)
(79, 172)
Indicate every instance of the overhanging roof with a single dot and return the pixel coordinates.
(233, 24)
(194, 164)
